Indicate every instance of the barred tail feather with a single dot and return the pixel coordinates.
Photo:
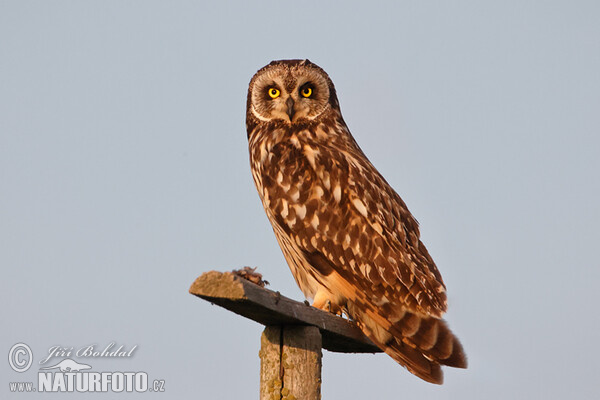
(414, 361)
(420, 343)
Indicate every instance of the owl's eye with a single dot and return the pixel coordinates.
(306, 91)
(274, 93)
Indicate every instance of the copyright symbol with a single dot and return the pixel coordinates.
(20, 357)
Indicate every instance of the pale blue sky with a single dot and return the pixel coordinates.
(124, 175)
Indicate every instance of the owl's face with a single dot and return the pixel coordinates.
(291, 91)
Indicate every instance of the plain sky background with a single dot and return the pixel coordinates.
(124, 175)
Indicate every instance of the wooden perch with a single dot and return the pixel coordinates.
(290, 346)
(272, 309)
(290, 363)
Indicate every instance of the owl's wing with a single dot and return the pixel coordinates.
(343, 215)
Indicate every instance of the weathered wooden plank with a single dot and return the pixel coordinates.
(271, 309)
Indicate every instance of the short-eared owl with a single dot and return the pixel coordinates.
(349, 239)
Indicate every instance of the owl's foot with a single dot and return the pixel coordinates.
(323, 302)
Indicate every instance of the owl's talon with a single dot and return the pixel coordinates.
(323, 303)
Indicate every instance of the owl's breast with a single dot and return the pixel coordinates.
(279, 166)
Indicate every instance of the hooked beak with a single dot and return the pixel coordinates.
(290, 107)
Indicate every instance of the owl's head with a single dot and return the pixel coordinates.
(290, 92)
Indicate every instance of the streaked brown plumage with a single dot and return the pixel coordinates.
(349, 239)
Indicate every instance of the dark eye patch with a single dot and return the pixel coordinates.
(307, 90)
(267, 88)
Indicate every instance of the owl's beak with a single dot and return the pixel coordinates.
(290, 107)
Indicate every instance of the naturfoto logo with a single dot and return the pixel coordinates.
(68, 375)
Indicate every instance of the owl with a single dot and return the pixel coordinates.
(351, 243)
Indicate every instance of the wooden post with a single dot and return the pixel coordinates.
(271, 375)
(295, 333)
(290, 363)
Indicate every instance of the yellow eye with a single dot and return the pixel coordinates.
(306, 92)
(274, 93)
